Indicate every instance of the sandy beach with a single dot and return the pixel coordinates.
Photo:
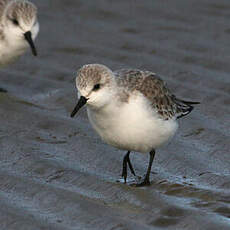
(55, 171)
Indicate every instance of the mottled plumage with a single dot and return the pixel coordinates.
(155, 90)
(146, 82)
(18, 28)
(132, 110)
(98, 73)
(2, 8)
(23, 9)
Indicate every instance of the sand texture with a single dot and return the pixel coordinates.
(56, 173)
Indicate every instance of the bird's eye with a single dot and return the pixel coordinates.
(96, 87)
(15, 21)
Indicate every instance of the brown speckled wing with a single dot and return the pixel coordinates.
(152, 87)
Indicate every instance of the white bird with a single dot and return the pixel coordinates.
(18, 29)
(132, 110)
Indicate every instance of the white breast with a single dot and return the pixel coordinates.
(132, 126)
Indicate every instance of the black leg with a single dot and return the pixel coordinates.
(124, 169)
(130, 165)
(146, 179)
(3, 90)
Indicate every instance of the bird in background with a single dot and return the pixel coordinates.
(131, 109)
(18, 29)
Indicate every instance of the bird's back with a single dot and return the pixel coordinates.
(155, 91)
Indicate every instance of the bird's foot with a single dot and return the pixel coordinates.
(3, 90)
(124, 175)
(141, 182)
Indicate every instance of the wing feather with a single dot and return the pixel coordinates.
(156, 91)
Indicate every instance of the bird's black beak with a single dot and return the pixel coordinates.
(81, 102)
(28, 37)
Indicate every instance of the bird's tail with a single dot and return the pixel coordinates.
(184, 107)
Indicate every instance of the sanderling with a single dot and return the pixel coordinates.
(18, 29)
(132, 110)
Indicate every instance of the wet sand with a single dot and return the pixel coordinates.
(56, 173)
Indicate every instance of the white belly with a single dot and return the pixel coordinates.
(132, 126)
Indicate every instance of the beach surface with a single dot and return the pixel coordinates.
(55, 171)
